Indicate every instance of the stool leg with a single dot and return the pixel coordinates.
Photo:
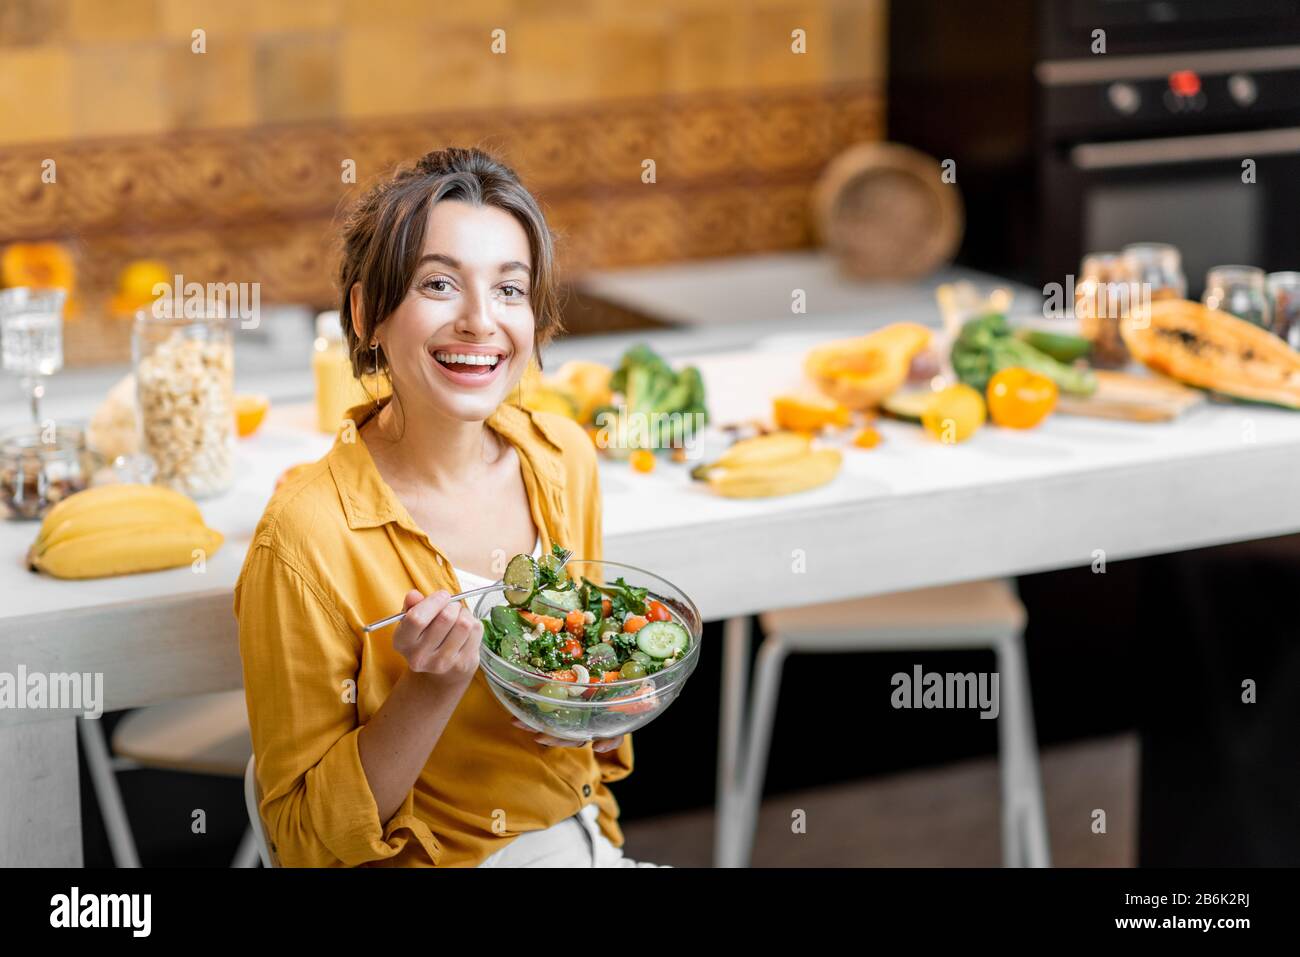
(246, 855)
(735, 661)
(107, 793)
(1024, 818)
(762, 715)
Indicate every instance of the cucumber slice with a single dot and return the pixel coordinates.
(548, 601)
(520, 579)
(660, 639)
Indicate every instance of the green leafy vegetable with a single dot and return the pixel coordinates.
(663, 407)
(986, 346)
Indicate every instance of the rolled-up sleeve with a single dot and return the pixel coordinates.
(300, 664)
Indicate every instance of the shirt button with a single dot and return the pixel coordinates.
(586, 790)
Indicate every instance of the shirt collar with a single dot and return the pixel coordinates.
(368, 501)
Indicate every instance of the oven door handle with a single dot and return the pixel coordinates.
(1186, 149)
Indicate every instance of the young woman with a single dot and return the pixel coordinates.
(388, 748)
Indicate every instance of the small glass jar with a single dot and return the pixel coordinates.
(1284, 296)
(1156, 269)
(1241, 291)
(184, 373)
(1097, 307)
(42, 465)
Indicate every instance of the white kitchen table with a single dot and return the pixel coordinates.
(909, 514)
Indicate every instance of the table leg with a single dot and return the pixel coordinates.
(731, 731)
(40, 800)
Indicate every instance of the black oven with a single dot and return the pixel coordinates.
(1085, 125)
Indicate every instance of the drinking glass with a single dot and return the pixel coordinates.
(1284, 296)
(1239, 290)
(31, 337)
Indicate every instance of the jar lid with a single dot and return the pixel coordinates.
(40, 440)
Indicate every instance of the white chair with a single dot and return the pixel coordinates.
(985, 614)
(205, 734)
(256, 827)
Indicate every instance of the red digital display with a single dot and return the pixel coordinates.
(1185, 83)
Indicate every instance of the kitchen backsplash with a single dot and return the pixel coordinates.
(228, 165)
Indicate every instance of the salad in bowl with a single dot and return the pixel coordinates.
(587, 649)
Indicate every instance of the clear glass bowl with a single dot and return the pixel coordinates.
(595, 709)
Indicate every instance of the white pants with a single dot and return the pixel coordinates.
(574, 842)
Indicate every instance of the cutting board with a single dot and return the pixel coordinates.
(1136, 398)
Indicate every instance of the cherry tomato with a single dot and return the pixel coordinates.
(606, 606)
(656, 611)
(1020, 398)
(573, 648)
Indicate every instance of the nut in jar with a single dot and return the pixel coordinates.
(184, 380)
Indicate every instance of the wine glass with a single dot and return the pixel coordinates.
(31, 337)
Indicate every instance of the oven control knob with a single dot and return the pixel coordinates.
(1124, 97)
(1242, 89)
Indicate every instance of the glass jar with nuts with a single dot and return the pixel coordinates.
(40, 465)
(184, 372)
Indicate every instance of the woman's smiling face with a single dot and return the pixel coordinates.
(462, 337)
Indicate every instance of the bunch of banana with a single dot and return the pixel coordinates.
(120, 530)
(775, 464)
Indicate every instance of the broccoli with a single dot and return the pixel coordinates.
(660, 403)
(986, 346)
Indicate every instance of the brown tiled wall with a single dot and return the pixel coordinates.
(225, 163)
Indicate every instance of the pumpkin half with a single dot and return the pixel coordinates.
(1215, 350)
(860, 373)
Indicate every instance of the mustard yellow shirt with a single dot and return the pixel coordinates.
(336, 549)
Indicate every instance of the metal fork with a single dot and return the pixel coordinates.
(472, 593)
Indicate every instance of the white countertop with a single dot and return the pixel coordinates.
(908, 514)
(1071, 475)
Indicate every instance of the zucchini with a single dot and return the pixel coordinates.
(520, 580)
(662, 639)
(1061, 346)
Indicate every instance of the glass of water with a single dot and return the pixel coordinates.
(1239, 290)
(31, 337)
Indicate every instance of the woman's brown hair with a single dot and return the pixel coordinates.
(383, 238)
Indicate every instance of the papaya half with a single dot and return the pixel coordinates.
(1214, 350)
(859, 373)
